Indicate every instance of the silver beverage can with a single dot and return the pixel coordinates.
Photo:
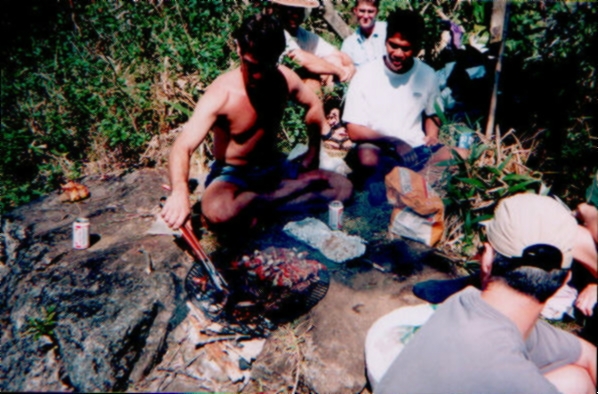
(465, 140)
(335, 215)
(81, 233)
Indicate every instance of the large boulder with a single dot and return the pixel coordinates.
(114, 302)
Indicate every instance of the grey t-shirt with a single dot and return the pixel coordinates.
(467, 346)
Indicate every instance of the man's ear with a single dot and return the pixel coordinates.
(486, 263)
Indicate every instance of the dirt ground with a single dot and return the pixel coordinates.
(321, 351)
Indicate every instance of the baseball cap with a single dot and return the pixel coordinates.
(298, 3)
(526, 220)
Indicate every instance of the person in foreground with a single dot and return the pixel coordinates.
(492, 341)
(243, 108)
(390, 106)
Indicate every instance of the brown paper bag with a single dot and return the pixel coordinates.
(418, 212)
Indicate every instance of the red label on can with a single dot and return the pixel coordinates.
(335, 215)
(81, 233)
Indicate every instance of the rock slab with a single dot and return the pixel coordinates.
(113, 303)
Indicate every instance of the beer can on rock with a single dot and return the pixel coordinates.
(81, 233)
(335, 215)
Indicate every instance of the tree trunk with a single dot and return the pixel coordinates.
(335, 21)
(498, 28)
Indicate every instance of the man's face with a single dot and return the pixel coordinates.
(255, 71)
(291, 17)
(366, 15)
(400, 53)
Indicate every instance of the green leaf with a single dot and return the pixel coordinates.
(474, 182)
(482, 218)
(492, 170)
(180, 108)
(518, 177)
(521, 186)
(464, 129)
(502, 165)
(440, 114)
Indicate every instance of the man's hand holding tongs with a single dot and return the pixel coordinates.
(180, 220)
(176, 209)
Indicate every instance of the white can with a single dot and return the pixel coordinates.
(335, 215)
(81, 233)
(465, 140)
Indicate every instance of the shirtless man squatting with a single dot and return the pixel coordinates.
(243, 109)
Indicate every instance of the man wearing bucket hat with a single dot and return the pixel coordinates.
(320, 61)
(492, 340)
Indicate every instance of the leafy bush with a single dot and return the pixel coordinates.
(495, 169)
(87, 84)
(97, 85)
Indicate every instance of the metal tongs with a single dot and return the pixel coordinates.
(189, 236)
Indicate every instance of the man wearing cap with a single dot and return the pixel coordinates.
(320, 62)
(368, 42)
(243, 109)
(492, 341)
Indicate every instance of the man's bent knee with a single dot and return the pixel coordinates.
(369, 156)
(571, 379)
(217, 211)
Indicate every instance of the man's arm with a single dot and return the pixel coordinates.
(431, 130)
(344, 62)
(316, 64)
(177, 207)
(391, 145)
(315, 120)
(361, 133)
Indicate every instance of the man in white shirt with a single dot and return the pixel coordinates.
(391, 105)
(321, 62)
(369, 40)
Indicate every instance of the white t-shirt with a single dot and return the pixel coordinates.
(363, 50)
(392, 104)
(309, 42)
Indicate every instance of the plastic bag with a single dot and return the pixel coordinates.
(418, 211)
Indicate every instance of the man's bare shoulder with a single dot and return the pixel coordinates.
(227, 82)
(291, 76)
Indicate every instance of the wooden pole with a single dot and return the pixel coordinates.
(335, 21)
(498, 30)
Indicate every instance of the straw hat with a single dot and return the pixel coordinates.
(298, 3)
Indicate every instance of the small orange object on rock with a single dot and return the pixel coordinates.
(74, 192)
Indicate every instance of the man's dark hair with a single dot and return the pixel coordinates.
(375, 3)
(263, 36)
(409, 23)
(331, 103)
(528, 279)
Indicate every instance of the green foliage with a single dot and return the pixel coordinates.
(38, 327)
(102, 82)
(474, 185)
(89, 81)
(550, 84)
(293, 128)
